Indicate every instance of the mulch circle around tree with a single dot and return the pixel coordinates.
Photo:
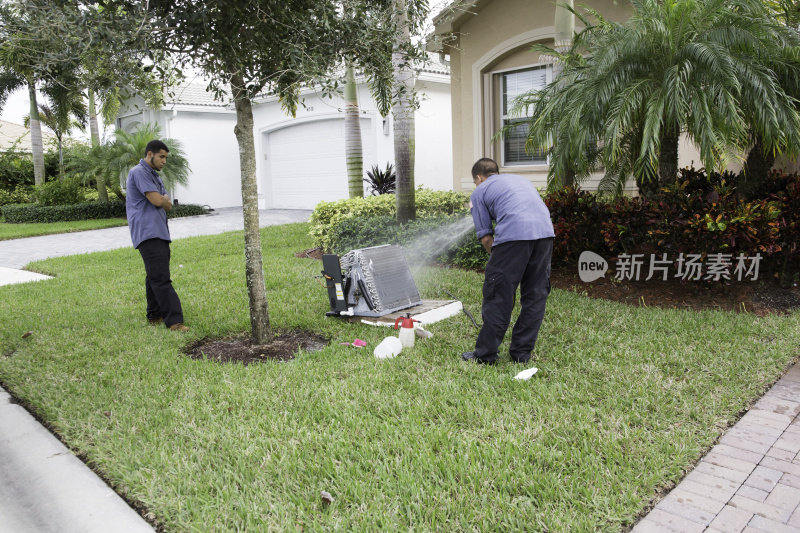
(760, 297)
(284, 347)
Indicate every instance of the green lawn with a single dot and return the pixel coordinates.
(626, 400)
(18, 231)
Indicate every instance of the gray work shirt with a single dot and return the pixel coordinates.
(145, 220)
(514, 203)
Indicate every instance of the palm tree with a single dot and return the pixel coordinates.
(352, 136)
(627, 92)
(67, 110)
(128, 148)
(403, 113)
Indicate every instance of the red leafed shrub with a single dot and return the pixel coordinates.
(699, 215)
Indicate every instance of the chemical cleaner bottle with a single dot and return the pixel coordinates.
(406, 330)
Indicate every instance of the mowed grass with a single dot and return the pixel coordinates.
(626, 400)
(18, 231)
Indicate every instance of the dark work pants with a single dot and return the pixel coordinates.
(516, 263)
(162, 300)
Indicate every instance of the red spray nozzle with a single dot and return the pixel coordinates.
(407, 321)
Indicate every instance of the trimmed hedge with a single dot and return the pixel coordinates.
(429, 204)
(21, 213)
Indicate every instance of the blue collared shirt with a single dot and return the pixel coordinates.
(514, 203)
(145, 220)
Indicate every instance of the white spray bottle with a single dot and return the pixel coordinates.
(406, 330)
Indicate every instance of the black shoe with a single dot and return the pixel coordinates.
(470, 356)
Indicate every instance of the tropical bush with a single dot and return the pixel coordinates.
(16, 169)
(21, 194)
(429, 204)
(628, 91)
(381, 181)
(60, 192)
(111, 162)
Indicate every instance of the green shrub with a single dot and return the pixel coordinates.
(429, 204)
(84, 211)
(60, 192)
(21, 194)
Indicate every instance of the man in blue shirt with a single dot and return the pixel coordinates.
(146, 204)
(520, 247)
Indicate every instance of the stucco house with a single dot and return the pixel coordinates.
(300, 160)
(488, 45)
(17, 137)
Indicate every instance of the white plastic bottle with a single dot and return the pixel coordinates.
(388, 348)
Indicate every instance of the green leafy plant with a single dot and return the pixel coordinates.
(428, 203)
(381, 181)
(128, 148)
(60, 192)
(20, 194)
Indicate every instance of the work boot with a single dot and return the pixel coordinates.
(179, 327)
(470, 356)
(155, 321)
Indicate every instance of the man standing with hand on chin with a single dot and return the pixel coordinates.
(520, 247)
(146, 204)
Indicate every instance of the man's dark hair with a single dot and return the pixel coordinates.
(155, 146)
(485, 167)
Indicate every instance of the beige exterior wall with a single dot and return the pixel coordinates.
(497, 38)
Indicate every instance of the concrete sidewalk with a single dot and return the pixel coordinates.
(17, 253)
(43, 487)
(748, 482)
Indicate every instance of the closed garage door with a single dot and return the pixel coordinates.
(306, 163)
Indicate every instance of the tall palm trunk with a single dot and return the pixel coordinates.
(668, 156)
(254, 269)
(37, 149)
(60, 156)
(403, 112)
(564, 23)
(352, 136)
(102, 192)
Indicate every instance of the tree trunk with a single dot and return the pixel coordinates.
(37, 149)
(756, 167)
(352, 136)
(668, 156)
(403, 112)
(102, 192)
(254, 270)
(564, 24)
(60, 158)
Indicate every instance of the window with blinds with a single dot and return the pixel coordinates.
(515, 84)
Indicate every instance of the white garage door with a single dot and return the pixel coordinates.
(306, 163)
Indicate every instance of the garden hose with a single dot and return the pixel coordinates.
(463, 307)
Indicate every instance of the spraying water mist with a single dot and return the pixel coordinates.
(427, 247)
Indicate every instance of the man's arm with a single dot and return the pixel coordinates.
(487, 241)
(159, 200)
